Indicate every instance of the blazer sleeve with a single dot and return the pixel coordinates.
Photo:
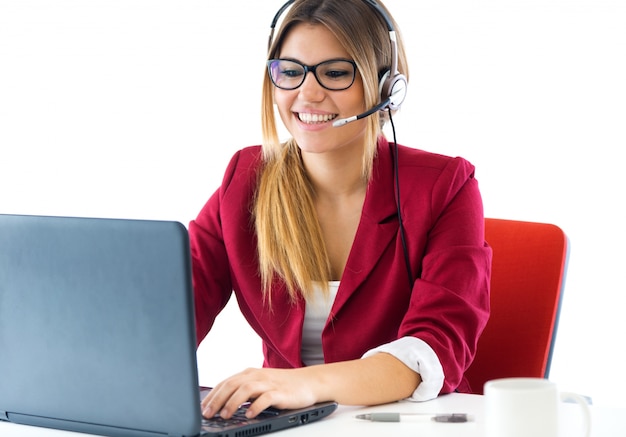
(449, 303)
(211, 268)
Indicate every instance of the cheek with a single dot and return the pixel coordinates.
(357, 95)
(283, 101)
(358, 103)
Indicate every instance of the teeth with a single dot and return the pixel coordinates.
(315, 118)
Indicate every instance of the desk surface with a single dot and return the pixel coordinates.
(606, 422)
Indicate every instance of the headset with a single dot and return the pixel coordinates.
(393, 85)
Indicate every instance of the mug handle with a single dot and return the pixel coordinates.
(584, 406)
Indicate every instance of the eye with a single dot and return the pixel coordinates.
(291, 72)
(288, 70)
(337, 71)
(336, 74)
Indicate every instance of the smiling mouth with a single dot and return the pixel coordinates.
(315, 118)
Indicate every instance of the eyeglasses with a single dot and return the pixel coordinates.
(334, 74)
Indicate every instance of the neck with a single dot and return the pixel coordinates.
(337, 174)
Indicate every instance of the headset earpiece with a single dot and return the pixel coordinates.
(393, 88)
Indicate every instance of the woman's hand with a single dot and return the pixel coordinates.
(281, 388)
(377, 379)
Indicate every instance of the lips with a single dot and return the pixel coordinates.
(309, 118)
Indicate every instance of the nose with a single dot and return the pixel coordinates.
(311, 90)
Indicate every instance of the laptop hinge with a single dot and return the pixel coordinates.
(4, 416)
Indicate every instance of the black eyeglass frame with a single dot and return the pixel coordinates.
(312, 69)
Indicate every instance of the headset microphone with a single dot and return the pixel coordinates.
(344, 121)
(395, 99)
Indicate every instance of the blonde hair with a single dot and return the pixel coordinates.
(290, 243)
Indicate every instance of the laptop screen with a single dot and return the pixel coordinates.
(96, 325)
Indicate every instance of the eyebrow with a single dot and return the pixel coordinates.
(309, 65)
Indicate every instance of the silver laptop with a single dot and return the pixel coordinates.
(97, 331)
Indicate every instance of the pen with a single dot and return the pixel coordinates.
(395, 417)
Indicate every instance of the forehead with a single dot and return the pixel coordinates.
(311, 43)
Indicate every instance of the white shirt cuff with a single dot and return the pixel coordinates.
(419, 357)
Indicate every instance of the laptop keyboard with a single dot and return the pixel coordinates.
(239, 418)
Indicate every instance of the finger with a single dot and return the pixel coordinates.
(206, 398)
(228, 396)
(247, 392)
(214, 401)
(209, 408)
(261, 403)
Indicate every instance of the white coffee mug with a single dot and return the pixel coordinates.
(527, 407)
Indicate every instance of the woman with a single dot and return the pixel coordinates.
(356, 300)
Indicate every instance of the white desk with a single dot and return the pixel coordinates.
(605, 422)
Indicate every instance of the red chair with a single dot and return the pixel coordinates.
(527, 279)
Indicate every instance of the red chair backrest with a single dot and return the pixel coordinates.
(528, 274)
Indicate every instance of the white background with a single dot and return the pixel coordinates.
(132, 108)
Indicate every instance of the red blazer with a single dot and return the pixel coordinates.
(447, 305)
